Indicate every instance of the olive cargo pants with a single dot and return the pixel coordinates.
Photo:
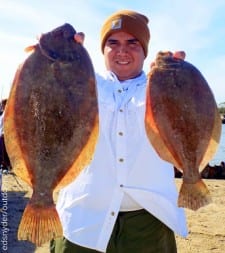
(134, 232)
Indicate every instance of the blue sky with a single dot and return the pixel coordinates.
(197, 27)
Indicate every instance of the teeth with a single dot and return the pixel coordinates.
(123, 62)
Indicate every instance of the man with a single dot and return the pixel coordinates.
(125, 200)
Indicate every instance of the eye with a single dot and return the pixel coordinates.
(112, 42)
(133, 42)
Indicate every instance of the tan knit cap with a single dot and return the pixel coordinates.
(128, 21)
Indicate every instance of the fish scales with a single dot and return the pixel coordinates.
(182, 122)
(51, 125)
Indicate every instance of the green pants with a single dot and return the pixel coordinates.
(134, 232)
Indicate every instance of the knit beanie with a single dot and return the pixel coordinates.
(128, 21)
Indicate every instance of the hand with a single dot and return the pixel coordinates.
(177, 55)
(79, 37)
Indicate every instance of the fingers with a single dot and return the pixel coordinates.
(152, 65)
(79, 37)
(179, 55)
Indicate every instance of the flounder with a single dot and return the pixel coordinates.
(182, 123)
(51, 125)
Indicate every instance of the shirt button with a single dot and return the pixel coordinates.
(119, 91)
(112, 213)
(121, 110)
(120, 133)
(121, 160)
(121, 185)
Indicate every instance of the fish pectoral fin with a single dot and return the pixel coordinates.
(30, 48)
(194, 195)
(39, 224)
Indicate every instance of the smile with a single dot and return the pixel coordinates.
(122, 62)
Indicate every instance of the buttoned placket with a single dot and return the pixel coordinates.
(121, 98)
(110, 220)
(122, 111)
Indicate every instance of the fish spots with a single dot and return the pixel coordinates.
(182, 123)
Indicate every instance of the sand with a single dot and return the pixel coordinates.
(206, 226)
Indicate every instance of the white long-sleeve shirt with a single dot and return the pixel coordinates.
(125, 174)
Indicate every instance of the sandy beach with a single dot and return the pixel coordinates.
(206, 226)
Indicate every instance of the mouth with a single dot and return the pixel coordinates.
(122, 62)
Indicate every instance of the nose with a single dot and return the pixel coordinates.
(122, 49)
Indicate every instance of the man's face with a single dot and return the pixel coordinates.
(124, 55)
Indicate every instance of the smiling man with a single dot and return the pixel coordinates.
(124, 43)
(124, 55)
(125, 201)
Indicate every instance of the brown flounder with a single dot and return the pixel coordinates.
(51, 126)
(182, 123)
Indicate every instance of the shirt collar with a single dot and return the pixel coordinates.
(138, 81)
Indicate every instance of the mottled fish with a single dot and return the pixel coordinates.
(51, 125)
(182, 123)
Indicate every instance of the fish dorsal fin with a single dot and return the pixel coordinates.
(14, 150)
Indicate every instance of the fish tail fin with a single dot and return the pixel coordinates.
(39, 225)
(194, 195)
